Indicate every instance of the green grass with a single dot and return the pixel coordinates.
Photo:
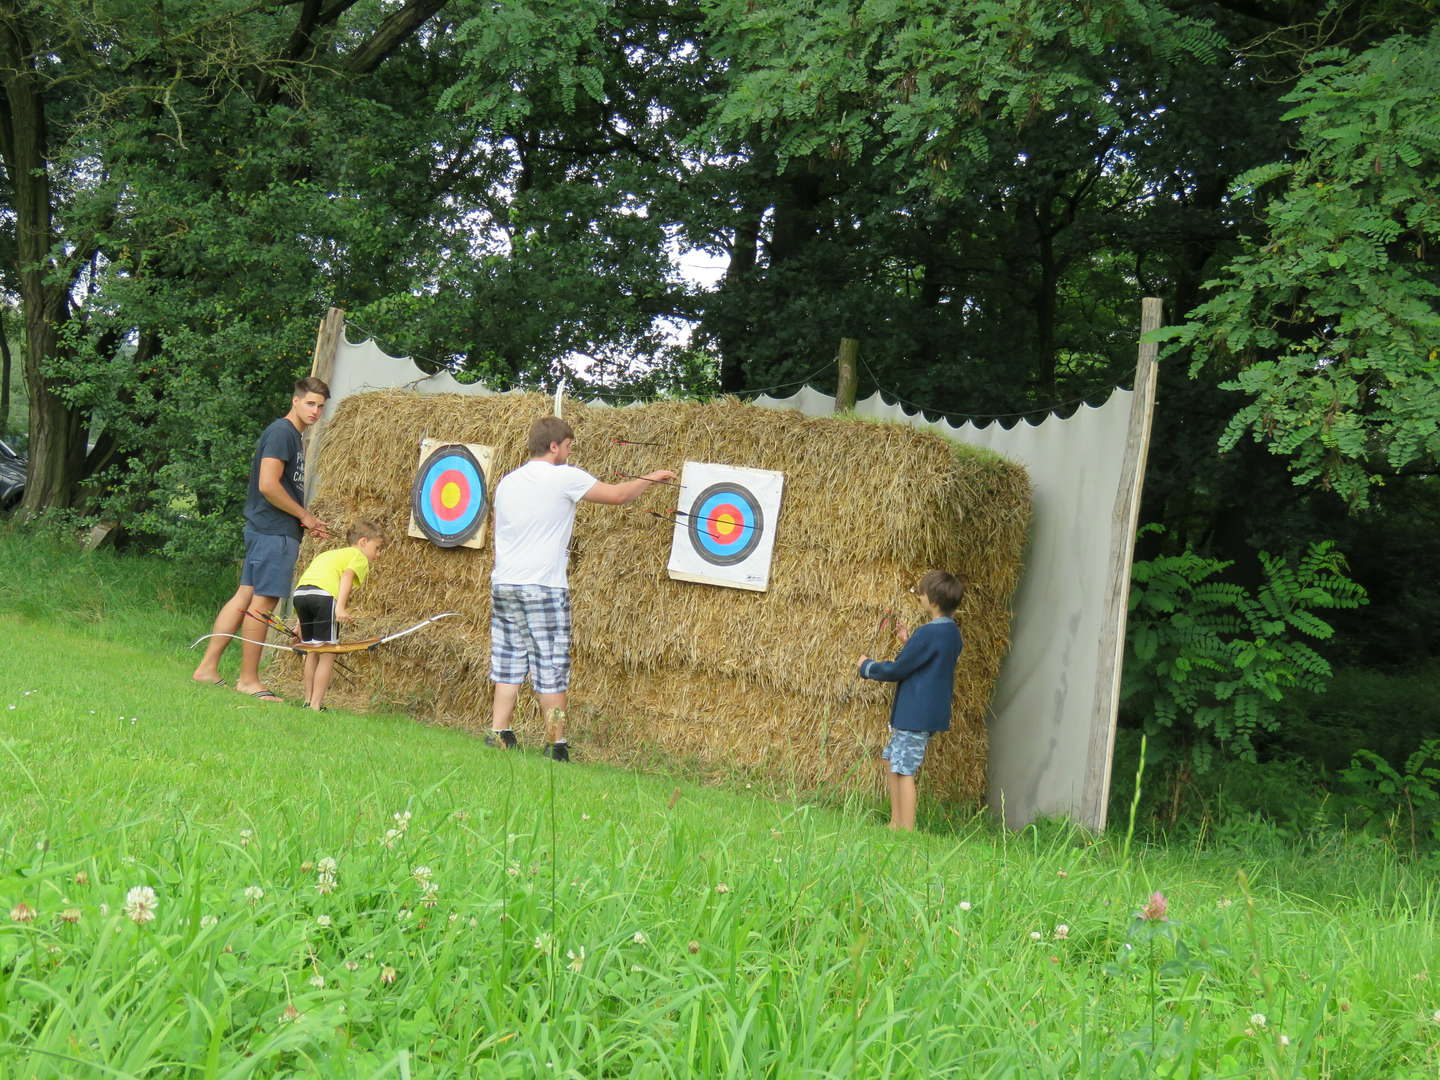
(588, 922)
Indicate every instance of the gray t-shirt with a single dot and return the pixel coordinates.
(279, 440)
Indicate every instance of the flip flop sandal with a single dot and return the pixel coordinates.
(264, 694)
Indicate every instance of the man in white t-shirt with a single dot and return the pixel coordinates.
(529, 590)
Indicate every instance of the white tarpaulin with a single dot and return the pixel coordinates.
(725, 525)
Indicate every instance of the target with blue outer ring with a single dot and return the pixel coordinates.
(448, 498)
(725, 523)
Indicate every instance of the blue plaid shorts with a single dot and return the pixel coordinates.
(530, 635)
(906, 751)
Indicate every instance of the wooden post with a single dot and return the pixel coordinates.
(1125, 516)
(849, 381)
(322, 366)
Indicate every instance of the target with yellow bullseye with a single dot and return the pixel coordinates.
(725, 525)
(450, 497)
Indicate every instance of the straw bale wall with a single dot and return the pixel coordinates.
(737, 683)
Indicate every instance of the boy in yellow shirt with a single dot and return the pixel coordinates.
(321, 600)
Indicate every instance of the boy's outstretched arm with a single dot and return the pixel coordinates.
(916, 653)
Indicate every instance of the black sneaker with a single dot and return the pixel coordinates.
(558, 751)
(500, 740)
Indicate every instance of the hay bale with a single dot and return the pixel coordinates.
(736, 682)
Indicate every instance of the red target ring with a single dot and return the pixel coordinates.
(449, 494)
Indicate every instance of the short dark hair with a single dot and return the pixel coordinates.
(547, 430)
(311, 385)
(943, 590)
(365, 530)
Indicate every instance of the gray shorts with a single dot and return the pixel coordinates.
(530, 635)
(269, 563)
(906, 751)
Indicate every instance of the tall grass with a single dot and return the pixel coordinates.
(495, 915)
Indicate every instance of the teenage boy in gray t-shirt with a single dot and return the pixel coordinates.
(275, 517)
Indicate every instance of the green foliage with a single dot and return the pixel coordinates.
(1328, 323)
(1210, 662)
(1402, 803)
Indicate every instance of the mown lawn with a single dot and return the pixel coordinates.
(495, 915)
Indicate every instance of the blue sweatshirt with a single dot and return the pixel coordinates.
(925, 671)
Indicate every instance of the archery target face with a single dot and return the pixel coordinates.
(725, 525)
(450, 496)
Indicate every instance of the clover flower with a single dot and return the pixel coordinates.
(140, 904)
(1062, 932)
(722, 888)
(1257, 1020)
(1035, 935)
(317, 981)
(388, 974)
(577, 960)
(965, 905)
(640, 939)
(545, 943)
(1155, 908)
(207, 921)
(254, 893)
(322, 921)
(22, 913)
(246, 835)
(70, 915)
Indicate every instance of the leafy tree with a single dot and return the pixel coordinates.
(1210, 661)
(161, 165)
(1327, 323)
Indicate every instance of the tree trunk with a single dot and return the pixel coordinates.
(57, 442)
(6, 368)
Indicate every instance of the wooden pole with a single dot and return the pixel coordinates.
(849, 381)
(322, 366)
(1125, 516)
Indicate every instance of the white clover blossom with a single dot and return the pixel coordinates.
(317, 981)
(140, 904)
(207, 921)
(1257, 1020)
(639, 938)
(1062, 932)
(422, 874)
(326, 865)
(1035, 935)
(545, 943)
(322, 921)
(965, 905)
(577, 960)
(254, 893)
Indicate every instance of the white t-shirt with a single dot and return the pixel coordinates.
(534, 517)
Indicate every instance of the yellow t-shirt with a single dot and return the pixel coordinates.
(327, 568)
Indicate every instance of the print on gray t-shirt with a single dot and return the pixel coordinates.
(279, 440)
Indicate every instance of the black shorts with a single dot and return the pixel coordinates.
(315, 609)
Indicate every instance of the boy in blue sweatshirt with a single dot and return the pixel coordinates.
(925, 676)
